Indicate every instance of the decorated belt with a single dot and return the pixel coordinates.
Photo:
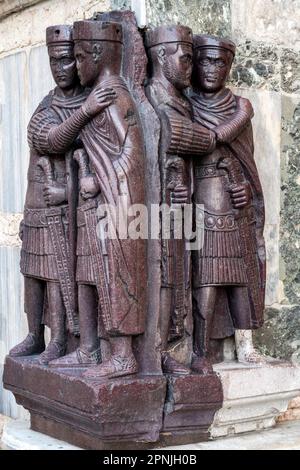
(38, 217)
(90, 204)
(208, 171)
(226, 222)
(38, 176)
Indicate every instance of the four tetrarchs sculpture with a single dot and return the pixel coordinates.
(86, 273)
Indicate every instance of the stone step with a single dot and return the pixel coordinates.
(285, 436)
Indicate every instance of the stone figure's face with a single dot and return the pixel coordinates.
(211, 69)
(88, 63)
(177, 64)
(63, 66)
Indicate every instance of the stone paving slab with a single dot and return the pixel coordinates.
(285, 436)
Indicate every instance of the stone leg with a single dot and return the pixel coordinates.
(245, 350)
(204, 306)
(169, 364)
(89, 352)
(34, 304)
(57, 346)
(240, 310)
(122, 361)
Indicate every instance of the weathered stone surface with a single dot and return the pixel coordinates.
(13, 144)
(273, 284)
(273, 21)
(92, 414)
(290, 227)
(13, 325)
(256, 65)
(27, 27)
(254, 396)
(7, 7)
(280, 334)
(266, 131)
(293, 411)
(190, 407)
(9, 229)
(203, 16)
(285, 436)
(17, 435)
(120, 4)
(3, 420)
(290, 71)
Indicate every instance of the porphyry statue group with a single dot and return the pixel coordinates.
(87, 148)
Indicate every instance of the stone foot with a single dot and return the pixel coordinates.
(32, 344)
(201, 365)
(116, 366)
(171, 366)
(54, 350)
(252, 357)
(78, 358)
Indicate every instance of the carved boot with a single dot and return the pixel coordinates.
(57, 345)
(32, 344)
(116, 366)
(246, 353)
(171, 366)
(201, 365)
(53, 351)
(78, 358)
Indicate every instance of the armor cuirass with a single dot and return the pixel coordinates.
(220, 261)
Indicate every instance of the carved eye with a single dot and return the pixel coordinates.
(187, 59)
(220, 63)
(204, 62)
(67, 61)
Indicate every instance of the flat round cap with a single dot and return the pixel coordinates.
(169, 34)
(89, 30)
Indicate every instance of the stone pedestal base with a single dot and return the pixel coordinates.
(17, 435)
(190, 407)
(128, 413)
(253, 396)
(88, 413)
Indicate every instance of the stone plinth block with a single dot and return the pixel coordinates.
(191, 404)
(88, 413)
(253, 396)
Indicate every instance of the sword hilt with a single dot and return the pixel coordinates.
(82, 159)
(45, 164)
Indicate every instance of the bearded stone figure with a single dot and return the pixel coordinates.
(141, 122)
(170, 54)
(45, 228)
(229, 270)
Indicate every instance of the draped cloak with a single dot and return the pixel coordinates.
(37, 254)
(174, 170)
(114, 144)
(211, 113)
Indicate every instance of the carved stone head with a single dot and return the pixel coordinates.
(213, 58)
(98, 47)
(171, 51)
(60, 45)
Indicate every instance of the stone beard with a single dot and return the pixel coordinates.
(229, 271)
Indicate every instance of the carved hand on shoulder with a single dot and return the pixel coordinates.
(89, 187)
(54, 194)
(98, 100)
(241, 195)
(243, 104)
